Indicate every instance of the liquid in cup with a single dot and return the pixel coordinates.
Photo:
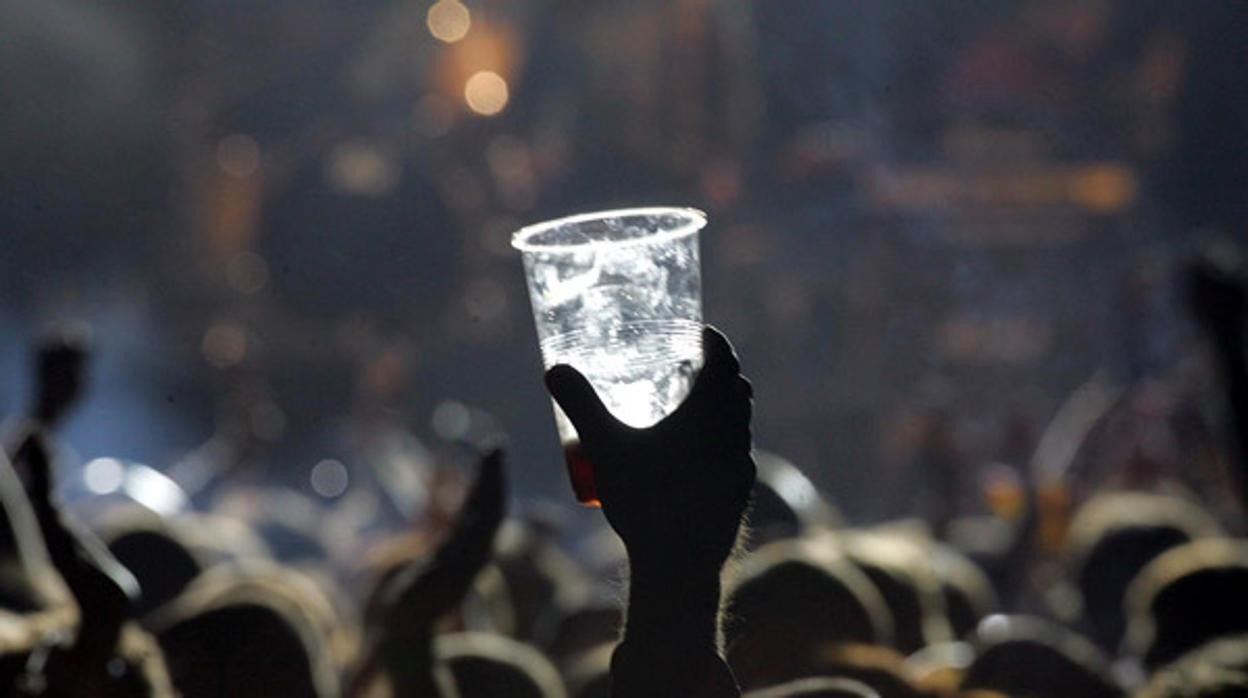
(618, 296)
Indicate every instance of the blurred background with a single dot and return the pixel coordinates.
(935, 228)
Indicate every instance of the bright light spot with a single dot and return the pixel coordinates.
(360, 168)
(329, 478)
(103, 475)
(247, 273)
(154, 490)
(238, 155)
(448, 20)
(486, 93)
(451, 420)
(224, 344)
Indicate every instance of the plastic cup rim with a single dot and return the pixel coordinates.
(696, 220)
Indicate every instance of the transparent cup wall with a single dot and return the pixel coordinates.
(618, 296)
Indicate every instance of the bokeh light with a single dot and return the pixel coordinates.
(238, 155)
(224, 344)
(486, 93)
(329, 478)
(448, 20)
(451, 420)
(360, 168)
(103, 475)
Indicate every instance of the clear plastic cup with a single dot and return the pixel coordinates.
(618, 296)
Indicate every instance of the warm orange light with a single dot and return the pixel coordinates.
(486, 93)
(1107, 188)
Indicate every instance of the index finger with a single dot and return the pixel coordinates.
(719, 362)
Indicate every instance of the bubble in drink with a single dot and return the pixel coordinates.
(618, 296)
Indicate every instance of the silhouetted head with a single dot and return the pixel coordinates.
(1188, 596)
(1112, 538)
(898, 566)
(239, 650)
(1023, 656)
(1218, 669)
(790, 601)
(785, 503)
(489, 666)
(246, 635)
(163, 566)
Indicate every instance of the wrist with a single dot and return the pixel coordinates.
(641, 669)
(673, 605)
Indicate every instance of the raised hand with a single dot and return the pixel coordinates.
(60, 373)
(675, 493)
(103, 590)
(427, 590)
(424, 592)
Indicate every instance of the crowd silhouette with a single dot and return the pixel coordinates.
(734, 585)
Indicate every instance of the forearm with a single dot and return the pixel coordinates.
(410, 668)
(671, 637)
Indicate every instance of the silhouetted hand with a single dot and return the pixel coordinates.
(103, 590)
(424, 592)
(675, 493)
(60, 374)
(427, 590)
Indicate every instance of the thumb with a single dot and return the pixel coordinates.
(577, 398)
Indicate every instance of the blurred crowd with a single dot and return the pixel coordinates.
(1000, 414)
(721, 570)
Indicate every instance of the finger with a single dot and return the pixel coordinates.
(719, 356)
(717, 382)
(472, 540)
(578, 400)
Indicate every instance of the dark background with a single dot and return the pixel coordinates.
(287, 214)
